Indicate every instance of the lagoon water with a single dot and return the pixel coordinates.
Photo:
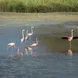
(48, 60)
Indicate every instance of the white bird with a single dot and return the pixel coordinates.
(31, 33)
(29, 48)
(20, 53)
(70, 38)
(34, 44)
(26, 38)
(12, 45)
(22, 40)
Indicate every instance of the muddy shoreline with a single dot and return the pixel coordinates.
(57, 16)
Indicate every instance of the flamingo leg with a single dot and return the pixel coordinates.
(31, 52)
(12, 49)
(8, 47)
(70, 45)
(26, 52)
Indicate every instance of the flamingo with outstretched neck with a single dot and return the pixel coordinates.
(31, 33)
(70, 39)
(22, 40)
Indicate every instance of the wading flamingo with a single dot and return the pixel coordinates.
(29, 48)
(70, 39)
(22, 40)
(26, 38)
(12, 45)
(31, 33)
(34, 44)
(18, 52)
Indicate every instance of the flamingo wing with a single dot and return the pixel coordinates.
(65, 38)
(75, 37)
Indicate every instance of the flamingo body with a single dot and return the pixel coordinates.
(11, 44)
(28, 48)
(34, 44)
(71, 37)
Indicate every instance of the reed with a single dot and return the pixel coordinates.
(38, 5)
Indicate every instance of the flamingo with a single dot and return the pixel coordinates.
(29, 48)
(34, 44)
(22, 40)
(12, 45)
(70, 39)
(26, 38)
(18, 52)
(31, 33)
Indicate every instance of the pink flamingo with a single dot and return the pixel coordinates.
(29, 48)
(20, 54)
(34, 44)
(12, 45)
(70, 38)
(22, 40)
(31, 33)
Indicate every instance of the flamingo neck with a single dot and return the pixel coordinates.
(31, 30)
(22, 34)
(27, 33)
(36, 41)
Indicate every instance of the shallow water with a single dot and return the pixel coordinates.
(48, 60)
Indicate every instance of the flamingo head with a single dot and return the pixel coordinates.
(23, 30)
(72, 30)
(32, 27)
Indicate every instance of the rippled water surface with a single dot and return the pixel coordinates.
(48, 60)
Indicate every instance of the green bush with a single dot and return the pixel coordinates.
(38, 6)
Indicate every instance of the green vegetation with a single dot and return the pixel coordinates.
(38, 6)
